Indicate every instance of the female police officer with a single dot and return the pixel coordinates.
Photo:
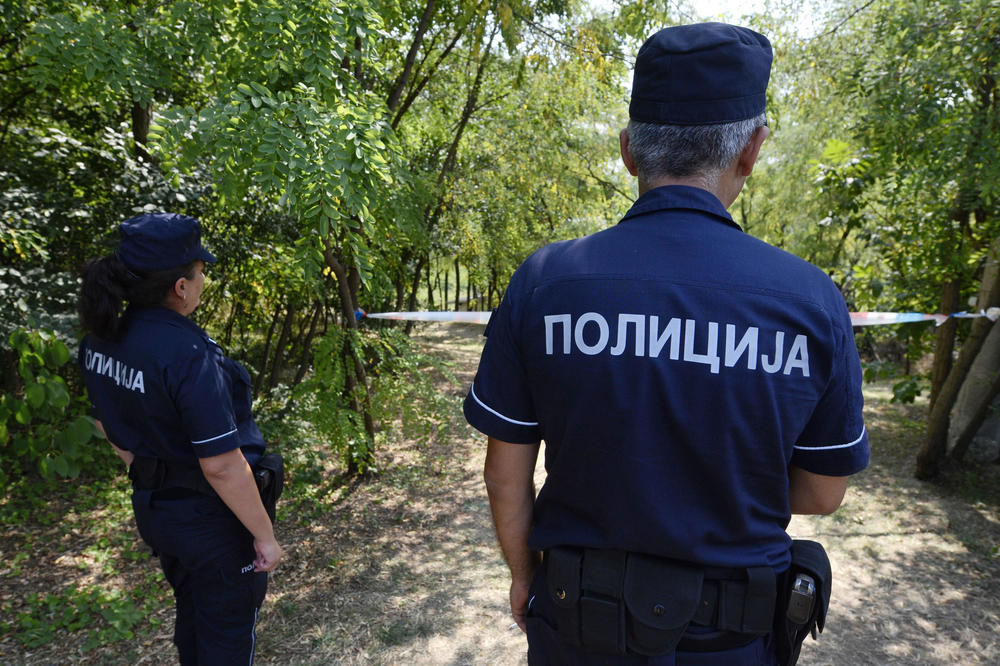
(177, 411)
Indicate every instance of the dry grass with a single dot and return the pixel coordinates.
(404, 569)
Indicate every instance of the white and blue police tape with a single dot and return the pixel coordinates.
(857, 318)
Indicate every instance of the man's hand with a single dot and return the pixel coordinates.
(509, 476)
(519, 598)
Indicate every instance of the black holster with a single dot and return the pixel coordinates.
(269, 474)
(613, 602)
(809, 558)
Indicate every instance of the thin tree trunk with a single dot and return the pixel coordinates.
(944, 346)
(981, 386)
(458, 286)
(418, 37)
(278, 364)
(307, 344)
(446, 290)
(411, 303)
(347, 285)
(267, 350)
(430, 288)
(142, 117)
(416, 90)
(936, 436)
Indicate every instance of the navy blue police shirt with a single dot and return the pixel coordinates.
(166, 390)
(675, 368)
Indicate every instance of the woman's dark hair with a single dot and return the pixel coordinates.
(108, 284)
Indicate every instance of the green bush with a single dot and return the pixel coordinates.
(42, 425)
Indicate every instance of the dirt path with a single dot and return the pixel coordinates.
(404, 569)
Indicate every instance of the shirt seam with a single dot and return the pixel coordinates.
(472, 392)
(801, 447)
(212, 439)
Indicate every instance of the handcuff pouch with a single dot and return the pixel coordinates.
(661, 598)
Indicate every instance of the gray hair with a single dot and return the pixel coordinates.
(683, 151)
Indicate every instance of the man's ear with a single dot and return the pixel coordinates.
(748, 158)
(626, 153)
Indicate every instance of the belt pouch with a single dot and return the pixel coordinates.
(661, 598)
(601, 611)
(758, 605)
(562, 582)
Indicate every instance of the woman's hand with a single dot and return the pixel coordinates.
(268, 554)
(229, 474)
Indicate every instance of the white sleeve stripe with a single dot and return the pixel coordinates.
(834, 446)
(212, 439)
(472, 392)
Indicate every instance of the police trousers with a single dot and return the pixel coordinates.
(547, 648)
(207, 557)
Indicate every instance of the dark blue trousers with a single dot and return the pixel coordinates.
(547, 648)
(207, 557)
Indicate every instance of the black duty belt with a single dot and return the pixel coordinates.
(614, 602)
(155, 474)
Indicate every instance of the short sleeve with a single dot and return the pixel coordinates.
(499, 404)
(835, 441)
(202, 393)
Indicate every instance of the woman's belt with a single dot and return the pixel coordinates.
(154, 474)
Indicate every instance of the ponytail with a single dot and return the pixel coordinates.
(108, 284)
(102, 296)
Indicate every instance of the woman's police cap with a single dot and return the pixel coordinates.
(701, 74)
(158, 241)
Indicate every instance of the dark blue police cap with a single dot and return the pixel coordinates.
(702, 74)
(158, 241)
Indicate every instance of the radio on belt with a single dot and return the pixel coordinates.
(801, 599)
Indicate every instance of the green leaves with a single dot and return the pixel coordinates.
(42, 425)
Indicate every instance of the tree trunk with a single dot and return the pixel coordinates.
(430, 288)
(404, 76)
(458, 286)
(278, 364)
(936, 436)
(348, 282)
(411, 303)
(445, 291)
(944, 346)
(142, 116)
(976, 396)
(307, 344)
(427, 75)
(267, 350)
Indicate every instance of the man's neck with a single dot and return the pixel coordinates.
(724, 186)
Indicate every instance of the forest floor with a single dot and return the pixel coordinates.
(404, 569)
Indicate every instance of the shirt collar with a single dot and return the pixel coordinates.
(680, 196)
(167, 316)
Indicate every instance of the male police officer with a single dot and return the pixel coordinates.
(694, 387)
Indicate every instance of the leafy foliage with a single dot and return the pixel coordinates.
(42, 424)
